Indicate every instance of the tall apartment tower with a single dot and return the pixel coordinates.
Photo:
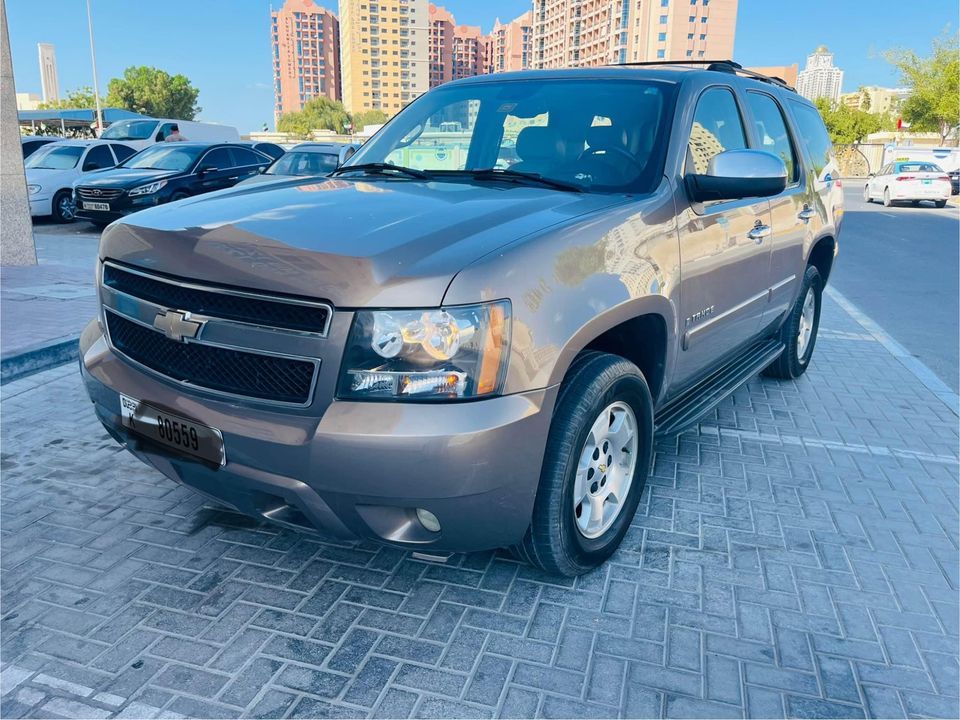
(820, 78)
(49, 84)
(510, 46)
(384, 53)
(576, 33)
(442, 28)
(306, 55)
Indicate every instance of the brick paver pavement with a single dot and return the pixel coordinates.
(796, 555)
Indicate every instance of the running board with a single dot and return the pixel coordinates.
(691, 405)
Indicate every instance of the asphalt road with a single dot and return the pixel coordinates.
(900, 266)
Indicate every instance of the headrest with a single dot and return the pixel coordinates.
(539, 143)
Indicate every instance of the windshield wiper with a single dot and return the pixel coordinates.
(380, 167)
(507, 175)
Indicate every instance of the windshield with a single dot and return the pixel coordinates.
(918, 167)
(55, 157)
(301, 162)
(130, 130)
(611, 139)
(168, 156)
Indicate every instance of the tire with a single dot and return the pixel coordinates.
(598, 386)
(795, 358)
(866, 194)
(941, 203)
(63, 208)
(887, 202)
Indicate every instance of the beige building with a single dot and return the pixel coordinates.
(509, 46)
(574, 33)
(28, 101)
(49, 81)
(787, 73)
(306, 55)
(820, 78)
(384, 53)
(876, 100)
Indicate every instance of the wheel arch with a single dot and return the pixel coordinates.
(822, 255)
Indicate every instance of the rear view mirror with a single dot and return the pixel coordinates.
(737, 174)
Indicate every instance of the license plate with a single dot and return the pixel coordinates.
(173, 431)
(95, 206)
(927, 182)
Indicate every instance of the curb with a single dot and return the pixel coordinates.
(37, 358)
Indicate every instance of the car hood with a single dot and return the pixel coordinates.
(378, 243)
(125, 177)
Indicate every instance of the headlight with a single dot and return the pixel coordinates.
(435, 354)
(147, 189)
(33, 189)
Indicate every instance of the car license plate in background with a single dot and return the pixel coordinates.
(927, 182)
(173, 431)
(96, 206)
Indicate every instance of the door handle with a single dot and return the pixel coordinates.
(807, 213)
(759, 232)
(235, 177)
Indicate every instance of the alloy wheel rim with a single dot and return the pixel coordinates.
(806, 323)
(66, 208)
(605, 470)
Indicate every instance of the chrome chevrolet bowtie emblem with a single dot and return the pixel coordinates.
(177, 325)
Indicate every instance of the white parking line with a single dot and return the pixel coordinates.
(917, 368)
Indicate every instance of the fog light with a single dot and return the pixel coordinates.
(428, 520)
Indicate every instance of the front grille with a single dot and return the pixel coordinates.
(278, 313)
(99, 193)
(266, 377)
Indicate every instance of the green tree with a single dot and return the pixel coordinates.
(78, 99)
(847, 125)
(934, 82)
(319, 113)
(368, 117)
(154, 92)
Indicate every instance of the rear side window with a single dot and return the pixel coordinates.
(717, 127)
(122, 152)
(242, 156)
(772, 131)
(814, 136)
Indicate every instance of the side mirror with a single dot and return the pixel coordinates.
(737, 174)
(262, 169)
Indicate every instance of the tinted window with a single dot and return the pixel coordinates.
(534, 127)
(301, 162)
(717, 127)
(122, 151)
(98, 158)
(814, 136)
(243, 156)
(55, 157)
(772, 131)
(169, 156)
(218, 158)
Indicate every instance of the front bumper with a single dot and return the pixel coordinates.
(119, 208)
(358, 470)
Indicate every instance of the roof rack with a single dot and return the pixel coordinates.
(727, 66)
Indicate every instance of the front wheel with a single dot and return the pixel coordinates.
(799, 331)
(595, 466)
(64, 208)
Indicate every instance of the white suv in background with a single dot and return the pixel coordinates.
(52, 169)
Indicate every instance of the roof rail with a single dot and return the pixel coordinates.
(727, 66)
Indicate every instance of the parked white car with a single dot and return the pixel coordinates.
(53, 168)
(145, 132)
(910, 181)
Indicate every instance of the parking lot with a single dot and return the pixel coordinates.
(796, 555)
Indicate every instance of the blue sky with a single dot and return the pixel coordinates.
(223, 46)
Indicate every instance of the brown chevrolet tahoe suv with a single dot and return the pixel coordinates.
(469, 336)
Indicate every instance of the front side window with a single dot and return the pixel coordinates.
(130, 130)
(243, 157)
(55, 157)
(218, 158)
(717, 127)
(772, 131)
(532, 127)
(171, 156)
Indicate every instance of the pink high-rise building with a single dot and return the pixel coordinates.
(510, 45)
(442, 26)
(306, 55)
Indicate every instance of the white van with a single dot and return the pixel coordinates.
(147, 131)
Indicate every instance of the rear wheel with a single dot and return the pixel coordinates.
(887, 202)
(64, 209)
(595, 466)
(799, 331)
(866, 194)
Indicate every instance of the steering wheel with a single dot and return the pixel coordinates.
(595, 152)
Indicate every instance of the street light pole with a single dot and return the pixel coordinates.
(93, 61)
